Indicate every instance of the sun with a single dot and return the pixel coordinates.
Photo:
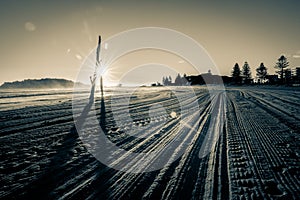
(108, 75)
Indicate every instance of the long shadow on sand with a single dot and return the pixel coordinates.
(58, 168)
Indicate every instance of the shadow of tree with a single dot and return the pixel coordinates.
(102, 114)
(57, 168)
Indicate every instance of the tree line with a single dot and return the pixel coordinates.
(242, 76)
(179, 80)
(286, 76)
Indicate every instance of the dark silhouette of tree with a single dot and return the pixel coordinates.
(281, 64)
(261, 72)
(170, 80)
(166, 81)
(236, 73)
(246, 73)
(94, 77)
(93, 82)
(178, 80)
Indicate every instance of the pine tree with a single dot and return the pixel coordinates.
(261, 72)
(236, 73)
(281, 64)
(178, 80)
(170, 80)
(246, 73)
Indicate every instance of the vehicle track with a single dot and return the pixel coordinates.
(260, 144)
(255, 157)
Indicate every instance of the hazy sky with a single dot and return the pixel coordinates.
(51, 38)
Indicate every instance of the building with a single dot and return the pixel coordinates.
(272, 79)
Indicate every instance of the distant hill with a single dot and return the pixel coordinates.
(40, 84)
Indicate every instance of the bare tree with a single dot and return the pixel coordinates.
(94, 77)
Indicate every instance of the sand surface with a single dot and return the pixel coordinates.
(256, 156)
